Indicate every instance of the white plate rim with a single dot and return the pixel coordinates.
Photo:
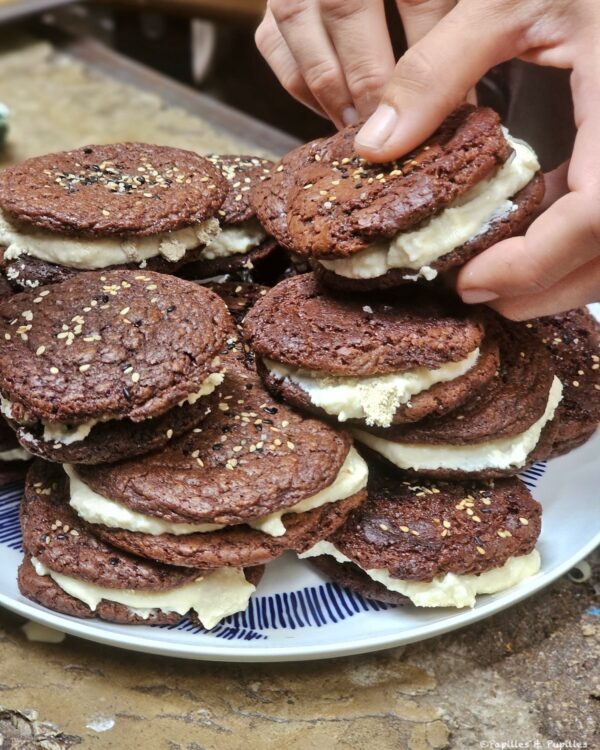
(297, 653)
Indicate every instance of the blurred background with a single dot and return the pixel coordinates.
(209, 46)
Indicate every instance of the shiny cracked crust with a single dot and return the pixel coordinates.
(110, 190)
(419, 529)
(242, 173)
(573, 340)
(303, 325)
(250, 457)
(118, 344)
(324, 201)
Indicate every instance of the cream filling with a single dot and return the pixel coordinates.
(90, 254)
(16, 454)
(449, 590)
(56, 432)
(235, 240)
(502, 453)
(97, 509)
(471, 216)
(212, 596)
(373, 399)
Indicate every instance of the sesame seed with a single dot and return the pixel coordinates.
(524, 521)
(125, 310)
(404, 528)
(169, 434)
(446, 524)
(135, 378)
(576, 383)
(40, 350)
(476, 519)
(383, 527)
(481, 550)
(84, 368)
(54, 370)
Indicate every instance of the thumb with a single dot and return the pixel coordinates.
(435, 75)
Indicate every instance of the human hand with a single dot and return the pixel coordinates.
(336, 56)
(556, 264)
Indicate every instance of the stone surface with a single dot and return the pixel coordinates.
(530, 673)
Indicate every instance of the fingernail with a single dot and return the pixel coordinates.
(350, 116)
(378, 128)
(474, 296)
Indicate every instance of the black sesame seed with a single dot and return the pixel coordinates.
(114, 560)
(61, 536)
(126, 393)
(171, 308)
(87, 150)
(271, 409)
(478, 541)
(217, 446)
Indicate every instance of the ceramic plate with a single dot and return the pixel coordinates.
(297, 614)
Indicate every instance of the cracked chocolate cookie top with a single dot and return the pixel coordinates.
(132, 189)
(116, 344)
(301, 324)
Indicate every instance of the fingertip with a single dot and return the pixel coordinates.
(350, 116)
(373, 135)
(478, 296)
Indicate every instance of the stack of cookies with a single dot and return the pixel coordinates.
(359, 415)
(448, 402)
(166, 475)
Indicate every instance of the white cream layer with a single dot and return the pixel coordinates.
(373, 399)
(16, 454)
(213, 596)
(235, 240)
(95, 508)
(503, 453)
(90, 254)
(471, 216)
(450, 590)
(56, 432)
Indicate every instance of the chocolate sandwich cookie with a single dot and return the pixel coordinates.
(106, 366)
(573, 340)
(506, 426)
(121, 205)
(14, 460)
(243, 245)
(68, 569)
(254, 480)
(437, 544)
(373, 359)
(371, 226)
